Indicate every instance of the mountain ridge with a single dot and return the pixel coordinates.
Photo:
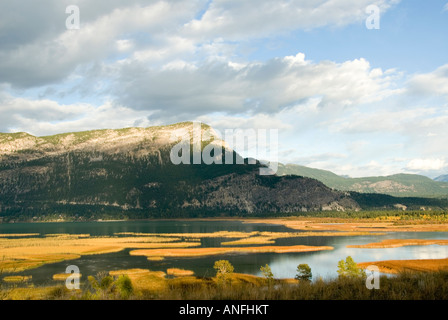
(129, 172)
(397, 185)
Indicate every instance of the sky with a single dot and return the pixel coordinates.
(345, 97)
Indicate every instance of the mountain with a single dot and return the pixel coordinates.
(398, 185)
(130, 173)
(443, 178)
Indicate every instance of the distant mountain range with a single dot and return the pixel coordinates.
(398, 185)
(443, 178)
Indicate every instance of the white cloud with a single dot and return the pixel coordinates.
(41, 61)
(445, 8)
(259, 121)
(410, 132)
(37, 49)
(124, 45)
(355, 168)
(379, 120)
(46, 117)
(217, 86)
(164, 49)
(433, 83)
(237, 20)
(426, 164)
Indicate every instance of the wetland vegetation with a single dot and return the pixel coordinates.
(175, 249)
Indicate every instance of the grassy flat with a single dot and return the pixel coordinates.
(197, 252)
(395, 243)
(419, 265)
(64, 276)
(179, 272)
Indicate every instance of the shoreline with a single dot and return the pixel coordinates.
(300, 223)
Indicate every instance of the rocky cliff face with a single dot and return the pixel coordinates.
(129, 172)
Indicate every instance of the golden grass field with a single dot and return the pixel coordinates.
(155, 258)
(179, 272)
(15, 279)
(19, 252)
(397, 266)
(197, 252)
(19, 235)
(348, 225)
(143, 279)
(40, 293)
(64, 276)
(218, 234)
(266, 237)
(156, 281)
(395, 243)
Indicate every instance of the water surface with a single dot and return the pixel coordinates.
(322, 263)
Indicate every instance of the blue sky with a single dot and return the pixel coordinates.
(344, 98)
(412, 30)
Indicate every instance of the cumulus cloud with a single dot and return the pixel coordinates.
(53, 53)
(236, 19)
(435, 82)
(37, 49)
(377, 121)
(426, 164)
(219, 86)
(46, 117)
(344, 166)
(412, 129)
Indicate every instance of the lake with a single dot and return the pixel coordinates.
(283, 265)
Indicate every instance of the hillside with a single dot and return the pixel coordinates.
(399, 185)
(128, 173)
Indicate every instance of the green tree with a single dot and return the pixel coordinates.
(223, 270)
(349, 268)
(267, 273)
(304, 272)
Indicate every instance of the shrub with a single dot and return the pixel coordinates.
(124, 286)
